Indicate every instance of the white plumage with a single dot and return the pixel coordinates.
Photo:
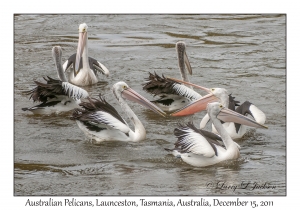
(195, 143)
(84, 68)
(186, 92)
(101, 122)
(72, 91)
(56, 95)
(201, 148)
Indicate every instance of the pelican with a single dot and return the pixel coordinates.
(84, 68)
(172, 95)
(101, 122)
(202, 148)
(235, 130)
(55, 95)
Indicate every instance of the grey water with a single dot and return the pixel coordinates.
(244, 53)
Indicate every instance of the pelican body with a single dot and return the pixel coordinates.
(202, 148)
(101, 122)
(84, 68)
(56, 95)
(172, 95)
(235, 130)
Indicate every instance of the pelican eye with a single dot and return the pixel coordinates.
(221, 106)
(213, 89)
(124, 87)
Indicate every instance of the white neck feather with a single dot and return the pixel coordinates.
(228, 142)
(139, 133)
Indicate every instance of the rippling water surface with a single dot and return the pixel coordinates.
(246, 54)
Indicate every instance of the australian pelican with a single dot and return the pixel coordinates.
(172, 95)
(202, 148)
(84, 68)
(55, 95)
(235, 130)
(101, 122)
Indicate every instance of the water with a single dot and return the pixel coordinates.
(246, 54)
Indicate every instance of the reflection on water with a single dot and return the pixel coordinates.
(243, 53)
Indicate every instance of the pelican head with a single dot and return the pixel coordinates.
(83, 28)
(221, 94)
(213, 109)
(57, 55)
(183, 59)
(56, 52)
(126, 92)
(82, 42)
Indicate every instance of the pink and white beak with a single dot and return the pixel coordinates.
(81, 45)
(227, 115)
(131, 95)
(198, 105)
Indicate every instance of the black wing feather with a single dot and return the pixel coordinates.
(159, 85)
(92, 63)
(232, 103)
(94, 105)
(44, 91)
(243, 110)
(182, 146)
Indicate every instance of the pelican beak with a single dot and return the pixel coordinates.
(196, 106)
(187, 63)
(131, 95)
(80, 48)
(228, 115)
(191, 84)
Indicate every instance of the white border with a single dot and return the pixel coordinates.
(8, 201)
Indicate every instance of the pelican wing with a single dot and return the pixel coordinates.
(53, 88)
(249, 108)
(101, 118)
(257, 114)
(95, 65)
(193, 140)
(157, 85)
(74, 91)
(43, 92)
(70, 62)
(98, 113)
(232, 103)
(182, 90)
